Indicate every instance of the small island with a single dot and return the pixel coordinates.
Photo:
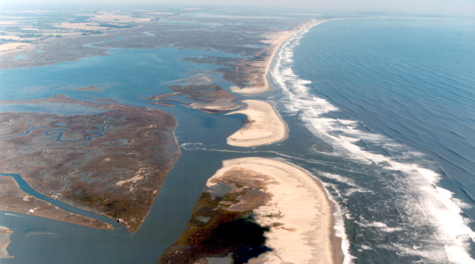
(210, 98)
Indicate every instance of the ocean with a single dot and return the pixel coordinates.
(380, 110)
(391, 105)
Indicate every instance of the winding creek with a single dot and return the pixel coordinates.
(27, 189)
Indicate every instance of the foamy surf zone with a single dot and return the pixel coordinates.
(440, 231)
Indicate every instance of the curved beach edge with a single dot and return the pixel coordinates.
(264, 126)
(299, 212)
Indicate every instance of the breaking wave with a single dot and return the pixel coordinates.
(415, 179)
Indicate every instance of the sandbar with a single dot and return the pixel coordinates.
(298, 212)
(264, 126)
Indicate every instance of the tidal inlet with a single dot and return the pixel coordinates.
(186, 133)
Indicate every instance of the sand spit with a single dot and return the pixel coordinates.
(264, 126)
(276, 40)
(298, 213)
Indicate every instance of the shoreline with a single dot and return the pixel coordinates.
(264, 126)
(276, 41)
(292, 223)
(332, 253)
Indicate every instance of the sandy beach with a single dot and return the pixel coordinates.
(264, 126)
(275, 40)
(298, 212)
(259, 77)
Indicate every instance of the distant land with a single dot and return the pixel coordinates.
(113, 160)
(185, 134)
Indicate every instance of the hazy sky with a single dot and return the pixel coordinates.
(445, 7)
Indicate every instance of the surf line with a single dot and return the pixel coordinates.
(24, 186)
(443, 211)
(285, 51)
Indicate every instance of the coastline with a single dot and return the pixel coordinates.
(300, 232)
(276, 40)
(264, 126)
(259, 210)
(329, 248)
(281, 198)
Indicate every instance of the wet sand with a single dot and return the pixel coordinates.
(298, 212)
(264, 126)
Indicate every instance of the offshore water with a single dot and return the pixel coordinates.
(380, 110)
(394, 100)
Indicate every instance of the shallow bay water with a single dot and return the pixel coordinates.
(130, 77)
(372, 107)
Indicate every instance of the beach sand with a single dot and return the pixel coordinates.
(264, 126)
(275, 40)
(298, 212)
(261, 68)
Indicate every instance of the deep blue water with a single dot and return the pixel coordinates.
(394, 99)
(411, 79)
(380, 110)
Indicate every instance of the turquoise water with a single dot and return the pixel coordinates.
(394, 101)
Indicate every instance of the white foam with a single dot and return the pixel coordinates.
(350, 182)
(382, 227)
(436, 205)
